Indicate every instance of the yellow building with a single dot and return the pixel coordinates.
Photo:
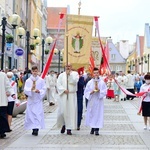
(131, 62)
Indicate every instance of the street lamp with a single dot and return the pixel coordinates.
(148, 62)
(59, 53)
(21, 33)
(48, 42)
(14, 21)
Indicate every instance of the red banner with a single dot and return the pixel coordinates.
(48, 63)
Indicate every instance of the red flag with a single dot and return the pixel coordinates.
(92, 63)
(46, 68)
(48, 63)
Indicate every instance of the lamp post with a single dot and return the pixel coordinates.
(148, 61)
(58, 61)
(4, 22)
(59, 53)
(43, 42)
(21, 33)
(15, 21)
(48, 42)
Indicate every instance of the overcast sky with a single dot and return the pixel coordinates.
(120, 19)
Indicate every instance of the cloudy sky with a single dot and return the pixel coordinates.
(120, 19)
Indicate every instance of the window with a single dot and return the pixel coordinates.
(113, 56)
(118, 68)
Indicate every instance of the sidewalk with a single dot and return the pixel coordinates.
(123, 130)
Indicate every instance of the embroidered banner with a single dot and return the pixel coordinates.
(78, 40)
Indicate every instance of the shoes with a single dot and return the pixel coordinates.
(78, 128)
(92, 131)
(96, 133)
(69, 132)
(145, 128)
(121, 99)
(63, 129)
(51, 104)
(2, 135)
(35, 132)
(124, 99)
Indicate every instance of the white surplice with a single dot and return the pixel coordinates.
(95, 109)
(51, 87)
(67, 111)
(34, 117)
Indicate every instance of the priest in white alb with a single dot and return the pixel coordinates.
(95, 92)
(35, 89)
(67, 112)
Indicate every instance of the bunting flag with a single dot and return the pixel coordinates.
(48, 63)
(78, 40)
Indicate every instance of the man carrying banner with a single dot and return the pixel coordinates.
(67, 88)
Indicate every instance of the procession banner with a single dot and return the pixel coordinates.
(96, 52)
(78, 40)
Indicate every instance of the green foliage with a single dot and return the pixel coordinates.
(9, 38)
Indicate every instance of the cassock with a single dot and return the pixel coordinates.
(67, 111)
(95, 108)
(34, 117)
(51, 87)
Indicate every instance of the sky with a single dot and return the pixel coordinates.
(120, 19)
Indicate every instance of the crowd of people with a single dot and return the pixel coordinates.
(68, 89)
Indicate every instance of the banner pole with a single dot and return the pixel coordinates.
(67, 48)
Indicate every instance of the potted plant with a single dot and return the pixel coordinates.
(32, 46)
(9, 38)
(46, 51)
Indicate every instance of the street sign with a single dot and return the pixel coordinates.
(19, 51)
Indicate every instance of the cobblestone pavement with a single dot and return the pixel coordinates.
(18, 126)
(123, 129)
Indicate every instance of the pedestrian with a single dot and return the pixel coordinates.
(110, 88)
(51, 80)
(137, 85)
(80, 92)
(95, 92)
(5, 90)
(67, 88)
(116, 88)
(35, 89)
(122, 79)
(130, 85)
(145, 103)
(11, 101)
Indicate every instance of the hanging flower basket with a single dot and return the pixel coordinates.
(46, 51)
(32, 46)
(9, 38)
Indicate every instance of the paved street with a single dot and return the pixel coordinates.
(123, 129)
